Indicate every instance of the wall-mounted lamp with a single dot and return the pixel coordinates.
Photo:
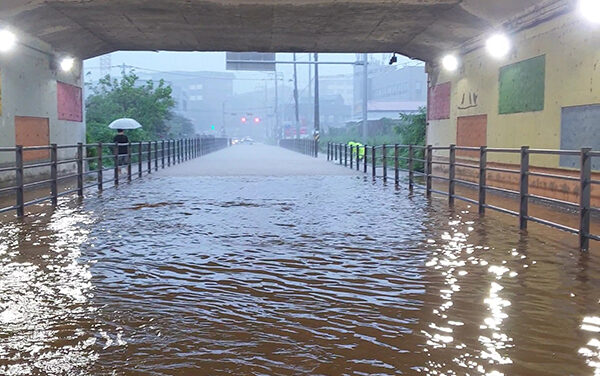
(8, 40)
(67, 64)
(394, 59)
(450, 63)
(590, 10)
(498, 45)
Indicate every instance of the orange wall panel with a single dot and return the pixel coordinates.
(32, 131)
(471, 131)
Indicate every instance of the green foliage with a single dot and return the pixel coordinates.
(149, 103)
(408, 129)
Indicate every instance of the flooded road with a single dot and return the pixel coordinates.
(298, 275)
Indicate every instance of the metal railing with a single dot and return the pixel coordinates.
(89, 164)
(419, 161)
(304, 146)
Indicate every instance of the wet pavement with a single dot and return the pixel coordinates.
(260, 274)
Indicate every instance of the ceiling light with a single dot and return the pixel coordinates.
(7, 40)
(450, 63)
(67, 64)
(590, 9)
(498, 45)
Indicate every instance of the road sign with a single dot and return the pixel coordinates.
(250, 61)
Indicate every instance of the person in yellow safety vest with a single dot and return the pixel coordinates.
(361, 149)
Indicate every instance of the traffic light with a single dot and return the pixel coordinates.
(257, 120)
(244, 119)
(212, 127)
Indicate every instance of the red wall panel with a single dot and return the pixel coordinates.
(69, 102)
(439, 102)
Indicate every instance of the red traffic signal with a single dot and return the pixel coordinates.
(257, 120)
(243, 119)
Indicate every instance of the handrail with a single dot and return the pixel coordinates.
(379, 159)
(85, 165)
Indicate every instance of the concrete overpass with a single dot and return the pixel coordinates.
(422, 29)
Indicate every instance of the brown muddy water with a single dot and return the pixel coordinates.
(290, 276)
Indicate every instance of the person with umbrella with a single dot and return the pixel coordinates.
(120, 140)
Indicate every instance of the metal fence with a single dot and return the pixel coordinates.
(410, 159)
(87, 169)
(301, 145)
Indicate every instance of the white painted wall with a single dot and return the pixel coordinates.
(29, 84)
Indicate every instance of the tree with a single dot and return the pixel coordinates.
(151, 105)
(180, 126)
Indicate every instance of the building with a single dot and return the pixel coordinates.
(391, 90)
(200, 97)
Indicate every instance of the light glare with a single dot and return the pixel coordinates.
(590, 10)
(450, 63)
(498, 45)
(7, 40)
(67, 64)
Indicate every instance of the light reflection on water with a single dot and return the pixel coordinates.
(288, 276)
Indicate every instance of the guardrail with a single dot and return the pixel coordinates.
(301, 145)
(90, 163)
(419, 161)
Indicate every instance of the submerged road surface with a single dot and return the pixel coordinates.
(260, 261)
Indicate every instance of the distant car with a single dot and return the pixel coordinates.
(247, 140)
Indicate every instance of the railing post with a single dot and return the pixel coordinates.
(100, 167)
(179, 151)
(524, 188)
(429, 170)
(374, 161)
(384, 161)
(351, 156)
(396, 165)
(149, 161)
(451, 174)
(140, 168)
(19, 181)
(116, 167)
(357, 157)
(162, 153)
(155, 155)
(411, 170)
(366, 157)
(129, 177)
(54, 174)
(328, 151)
(80, 169)
(316, 146)
(169, 153)
(335, 153)
(585, 199)
(482, 178)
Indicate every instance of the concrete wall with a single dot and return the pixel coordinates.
(570, 48)
(29, 89)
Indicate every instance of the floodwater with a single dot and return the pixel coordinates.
(330, 275)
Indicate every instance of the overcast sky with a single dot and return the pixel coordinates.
(215, 61)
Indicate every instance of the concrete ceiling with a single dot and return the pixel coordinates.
(421, 29)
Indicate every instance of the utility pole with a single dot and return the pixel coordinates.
(296, 98)
(365, 101)
(317, 115)
(276, 133)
